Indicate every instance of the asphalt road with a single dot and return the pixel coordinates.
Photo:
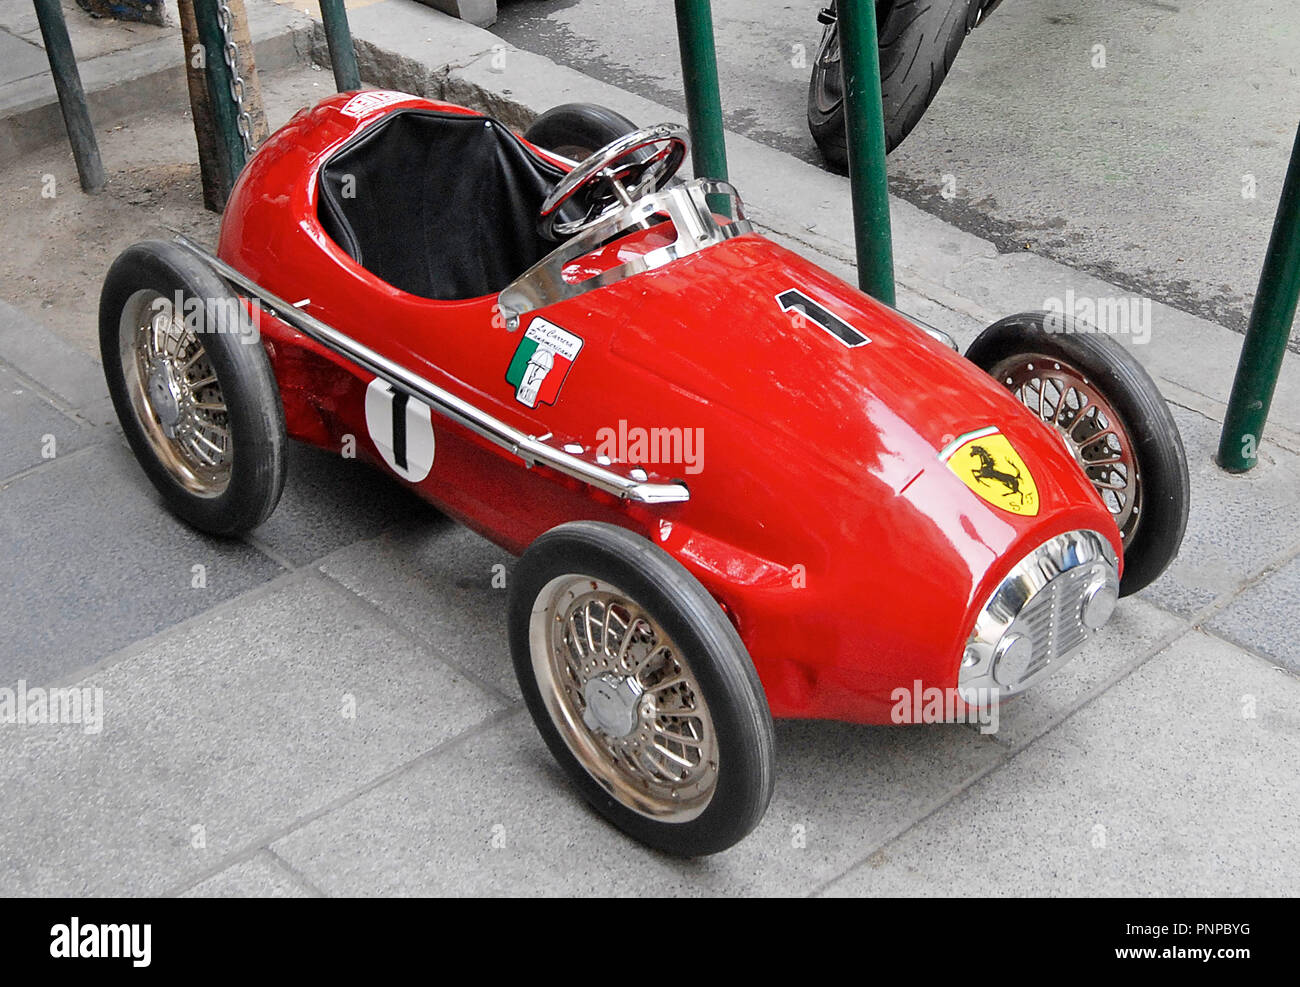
(1141, 171)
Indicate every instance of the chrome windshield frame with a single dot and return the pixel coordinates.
(687, 207)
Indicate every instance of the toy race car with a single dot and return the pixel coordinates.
(741, 488)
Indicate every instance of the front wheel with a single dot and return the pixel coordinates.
(1113, 419)
(641, 688)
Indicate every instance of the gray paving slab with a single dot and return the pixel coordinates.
(242, 722)
(19, 18)
(442, 583)
(90, 36)
(93, 562)
(59, 367)
(32, 430)
(330, 502)
(1238, 523)
(20, 59)
(261, 877)
(1264, 617)
(494, 815)
(1180, 780)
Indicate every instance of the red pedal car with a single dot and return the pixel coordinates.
(740, 487)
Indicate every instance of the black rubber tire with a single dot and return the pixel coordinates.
(718, 659)
(1157, 445)
(577, 130)
(919, 40)
(256, 416)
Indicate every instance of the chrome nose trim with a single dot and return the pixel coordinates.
(1045, 609)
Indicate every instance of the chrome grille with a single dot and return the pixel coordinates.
(1034, 620)
(1052, 621)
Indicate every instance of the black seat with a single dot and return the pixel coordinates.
(440, 205)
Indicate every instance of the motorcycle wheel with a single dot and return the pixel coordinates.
(919, 39)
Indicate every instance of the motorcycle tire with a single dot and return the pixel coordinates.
(919, 40)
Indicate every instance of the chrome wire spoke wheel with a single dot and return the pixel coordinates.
(640, 685)
(1111, 418)
(623, 698)
(1093, 431)
(175, 394)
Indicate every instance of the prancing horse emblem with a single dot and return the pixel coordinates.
(988, 470)
(986, 462)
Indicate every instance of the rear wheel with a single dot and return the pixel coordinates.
(1113, 419)
(641, 688)
(193, 388)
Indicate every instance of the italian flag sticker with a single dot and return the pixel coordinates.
(541, 363)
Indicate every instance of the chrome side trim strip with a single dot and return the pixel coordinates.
(527, 447)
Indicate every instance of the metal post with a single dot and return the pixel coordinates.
(343, 56)
(865, 121)
(700, 80)
(224, 112)
(1269, 332)
(72, 98)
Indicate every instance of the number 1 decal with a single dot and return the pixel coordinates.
(401, 430)
(796, 301)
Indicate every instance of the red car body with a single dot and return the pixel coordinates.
(851, 558)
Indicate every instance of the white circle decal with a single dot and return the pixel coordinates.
(401, 429)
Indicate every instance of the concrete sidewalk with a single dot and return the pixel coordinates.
(124, 67)
(328, 707)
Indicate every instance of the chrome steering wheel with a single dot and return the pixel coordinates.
(614, 178)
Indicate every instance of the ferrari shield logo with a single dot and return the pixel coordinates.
(985, 461)
(542, 361)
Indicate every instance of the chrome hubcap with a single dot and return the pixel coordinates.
(175, 394)
(612, 704)
(624, 698)
(1092, 429)
(1099, 603)
(165, 395)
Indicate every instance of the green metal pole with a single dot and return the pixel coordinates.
(224, 113)
(343, 56)
(1268, 333)
(865, 120)
(700, 79)
(72, 98)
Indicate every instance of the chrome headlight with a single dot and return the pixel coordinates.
(1040, 614)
